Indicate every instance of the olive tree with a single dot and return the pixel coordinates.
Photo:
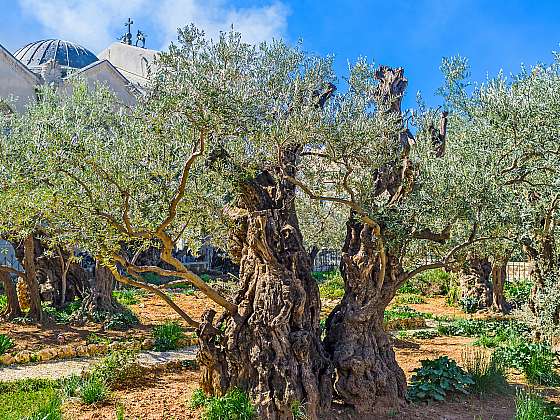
(203, 153)
(407, 197)
(516, 120)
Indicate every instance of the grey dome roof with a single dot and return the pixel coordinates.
(66, 54)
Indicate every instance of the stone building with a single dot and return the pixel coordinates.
(122, 67)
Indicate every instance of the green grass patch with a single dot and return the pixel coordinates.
(30, 399)
(403, 312)
(167, 336)
(531, 406)
(6, 343)
(234, 405)
(128, 296)
(3, 303)
(331, 285)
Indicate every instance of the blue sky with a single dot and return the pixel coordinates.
(494, 34)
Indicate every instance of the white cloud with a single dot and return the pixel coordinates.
(92, 23)
(256, 24)
(95, 24)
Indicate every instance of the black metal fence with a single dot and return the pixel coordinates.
(328, 259)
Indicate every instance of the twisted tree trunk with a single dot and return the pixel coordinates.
(35, 311)
(367, 374)
(499, 275)
(99, 303)
(272, 346)
(475, 281)
(13, 309)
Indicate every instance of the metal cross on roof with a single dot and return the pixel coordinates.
(127, 38)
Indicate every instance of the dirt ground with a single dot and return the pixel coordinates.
(151, 311)
(166, 395)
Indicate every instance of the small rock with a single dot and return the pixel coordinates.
(148, 344)
(82, 350)
(7, 359)
(23, 356)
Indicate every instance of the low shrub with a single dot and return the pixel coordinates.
(425, 334)
(93, 389)
(198, 399)
(469, 305)
(235, 405)
(128, 296)
(517, 292)
(531, 406)
(120, 321)
(70, 386)
(96, 339)
(436, 378)
(487, 372)
(62, 315)
(117, 367)
(331, 285)
(167, 336)
(498, 333)
(6, 343)
(536, 360)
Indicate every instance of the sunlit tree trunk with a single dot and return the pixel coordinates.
(272, 347)
(499, 276)
(367, 374)
(13, 309)
(35, 310)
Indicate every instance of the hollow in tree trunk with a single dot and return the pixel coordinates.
(367, 375)
(271, 347)
(13, 309)
(474, 278)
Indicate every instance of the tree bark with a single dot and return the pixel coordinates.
(499, 275)
(99, 303)
(272, 346)
(35, 311)
(367, 374)
(474, 281)
(13, 310)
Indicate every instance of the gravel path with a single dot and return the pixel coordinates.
(57, 369)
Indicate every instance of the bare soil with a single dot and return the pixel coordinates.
(166, 395)
(150, 310)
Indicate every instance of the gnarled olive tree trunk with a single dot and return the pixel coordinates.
(367, 374)
(499, 276)
(474, 280)
(99, 303)
(272, 346)
(13, 309)
(35, 311)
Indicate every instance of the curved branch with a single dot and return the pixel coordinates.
(143, 285)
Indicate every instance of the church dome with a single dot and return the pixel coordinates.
(67, 54)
